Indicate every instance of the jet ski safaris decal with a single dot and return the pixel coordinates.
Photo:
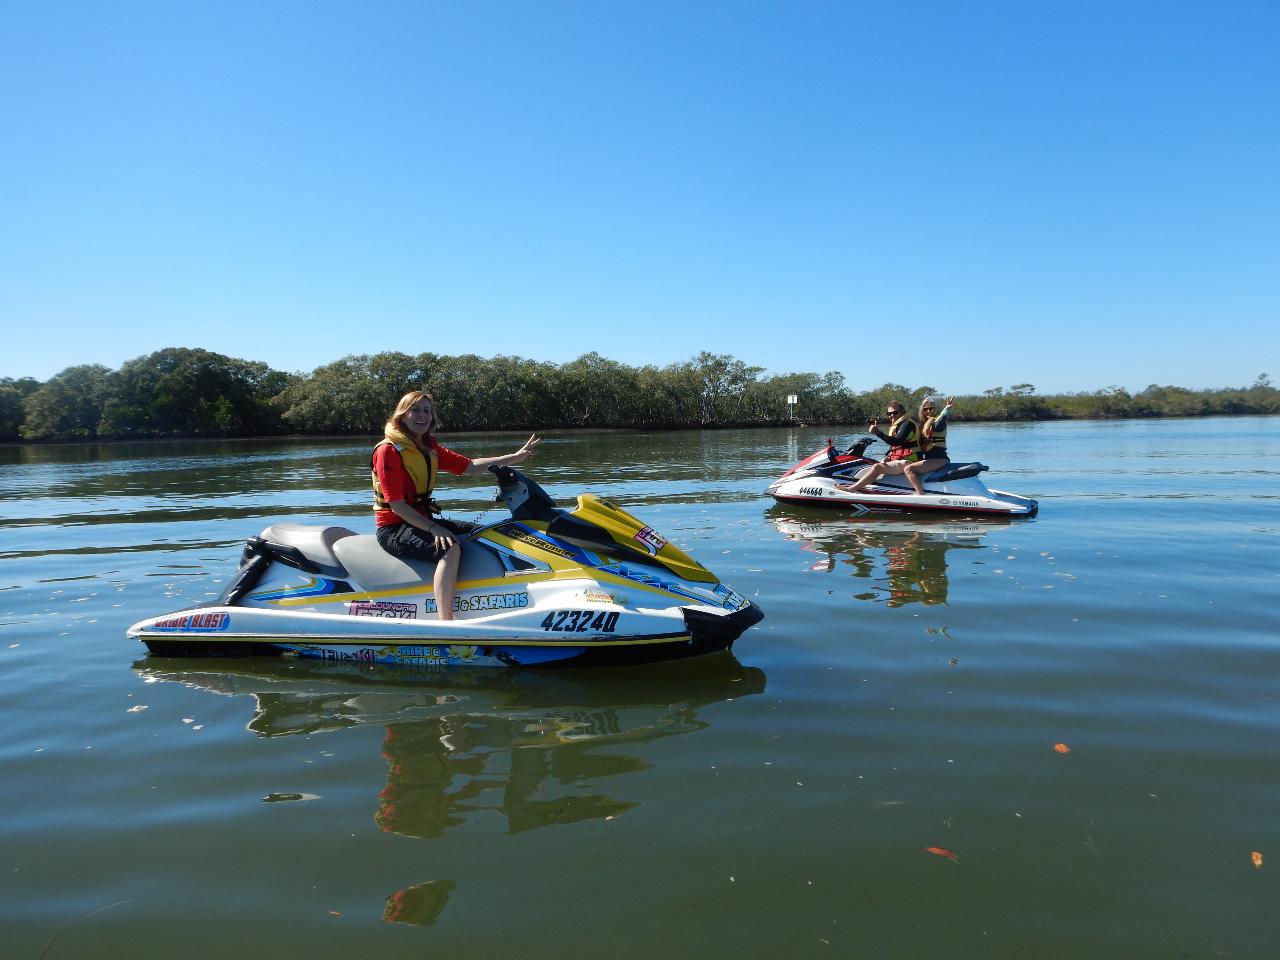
(484, 601)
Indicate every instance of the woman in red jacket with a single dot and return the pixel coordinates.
(405, 465)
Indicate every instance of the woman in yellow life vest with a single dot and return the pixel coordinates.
(904, 449)
(405, 464)
(933, 442)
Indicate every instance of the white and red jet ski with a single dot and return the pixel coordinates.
(820, 478)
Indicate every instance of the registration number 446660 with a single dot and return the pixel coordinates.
(581, 621)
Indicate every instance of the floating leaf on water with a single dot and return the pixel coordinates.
(419, 905)
(1256, 857)
(282, 797)
(1061, 748)
(137, 708)
(942, 852)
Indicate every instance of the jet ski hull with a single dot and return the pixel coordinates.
(530, 640)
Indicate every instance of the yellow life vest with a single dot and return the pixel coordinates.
(421, 467)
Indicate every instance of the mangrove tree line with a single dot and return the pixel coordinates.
(182, 392)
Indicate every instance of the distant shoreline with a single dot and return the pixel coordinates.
(183, 393)
(845, 427)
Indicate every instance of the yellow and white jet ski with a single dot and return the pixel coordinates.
(546, 587)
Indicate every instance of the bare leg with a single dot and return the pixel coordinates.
(446, 582)
(870, 475)
(914, 471)
(878, 470)
(910, 473)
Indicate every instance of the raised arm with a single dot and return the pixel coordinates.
(480, 464)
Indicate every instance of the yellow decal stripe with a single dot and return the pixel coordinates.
(425, 589)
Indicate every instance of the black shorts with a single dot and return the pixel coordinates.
(406, 540)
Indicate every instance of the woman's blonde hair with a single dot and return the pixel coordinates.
(396, 420)
(920, 412)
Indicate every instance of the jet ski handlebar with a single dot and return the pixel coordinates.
(523, 497)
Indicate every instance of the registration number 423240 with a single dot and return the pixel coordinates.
(581, 621)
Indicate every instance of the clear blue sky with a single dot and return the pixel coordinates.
(964, 195)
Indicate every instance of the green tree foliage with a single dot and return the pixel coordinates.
(595, 392)
(351, 395)
(10, 413)
(68, 406)
(186, 392)
(12, 394)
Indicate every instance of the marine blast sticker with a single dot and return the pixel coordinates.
(483, 601)
(651, 539)
(195, 622)
(382, 608)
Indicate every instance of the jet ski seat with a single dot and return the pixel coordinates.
(955, 471)
(342, 554)
(307, 547)
(372, 568)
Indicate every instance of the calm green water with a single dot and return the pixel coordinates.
(906, 691)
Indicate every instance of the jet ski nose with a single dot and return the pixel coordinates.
(720, 630)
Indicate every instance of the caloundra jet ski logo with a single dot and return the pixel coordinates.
(651, 540)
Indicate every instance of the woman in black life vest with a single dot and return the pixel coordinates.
(933, 442)
(903, 439)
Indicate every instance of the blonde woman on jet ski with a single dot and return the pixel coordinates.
(903, 439)
(933, 442)
(405, 465)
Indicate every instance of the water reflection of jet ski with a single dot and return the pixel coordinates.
(309, 696)
(816, 481)
(913, 551)
(546, 587)
(453, 737)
